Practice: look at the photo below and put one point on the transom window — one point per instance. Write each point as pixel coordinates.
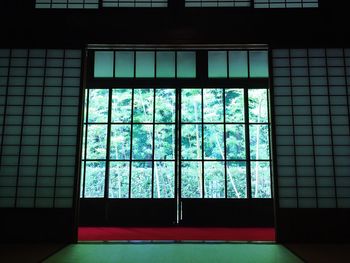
(178, 138)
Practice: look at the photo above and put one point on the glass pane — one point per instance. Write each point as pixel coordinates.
(235, 142)
(259, 142)
(234, 99)
(238, 64)
(236, 180)
(95, 179)
(165, 64)
(261, 180)
(143, 105)
(120, 142)
(165, 105)
(164, 180)
(186, 64)
(214, 142)
(214, 180)
(213, 105)
(98, 105)
(119, 179)
(121, 105)
(217, 64)
(191, 105)
(142, 142)
(96, 141)
(145, 64)
(103, 64)
(191, 142)
(258, 61)
(191, 179)
(164, 142)
(141, 180)
(124, 64)
(258, 111)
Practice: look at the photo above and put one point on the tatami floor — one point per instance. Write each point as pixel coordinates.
(168, 252)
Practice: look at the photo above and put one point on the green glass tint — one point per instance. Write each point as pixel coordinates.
(258, 64)
(164, 142)
(238, 64)
(104, 64)
(124, 64)
(142, 142)
(120, 142)
(97, 141)
(214, 142)
(235, 142)
(145, 64)
(234, 64)
(143, 105)
(186, 64)
(165, 105)
(166, 64)
(191, 105)
(217, 64)
(191, 141)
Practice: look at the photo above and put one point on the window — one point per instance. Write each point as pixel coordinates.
(285, 3)
(205, 140)
(72, 4)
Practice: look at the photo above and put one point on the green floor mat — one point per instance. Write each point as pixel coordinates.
(174, 253)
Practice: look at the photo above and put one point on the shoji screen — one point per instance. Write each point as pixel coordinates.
(217, 3)
(39, 105)
(285, 3)
(86, 4)
(311, 98)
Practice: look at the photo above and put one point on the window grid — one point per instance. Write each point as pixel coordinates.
(312, 127)
(39, 95)
(134, 3)
(217, 3)
(252, 162)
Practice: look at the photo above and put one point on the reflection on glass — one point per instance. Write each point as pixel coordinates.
(95, 179)
(261, 179)
(236, 180)
(164, 180)
(166, 64)
(214, 180)
(142, 142)
(164, 142)
(143, 105)
(234, 99)
(98, 105)
(191, 105)
(96, 141)
(214, 141)
(141, 180)
(258, 110)
(119, 180)
(121, 105)
(191, 141)
(235, 142)
(213, 105)
(165, 105)
(259, 142)
(120, 142)
(191, 179)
